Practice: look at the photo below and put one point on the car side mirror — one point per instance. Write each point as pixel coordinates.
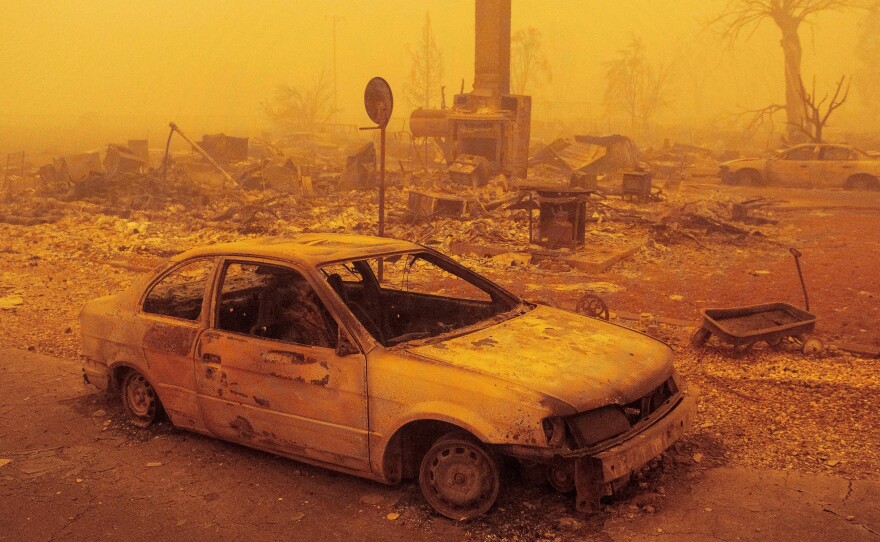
(345, 346)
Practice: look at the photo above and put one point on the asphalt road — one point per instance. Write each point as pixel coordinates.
(78, 472)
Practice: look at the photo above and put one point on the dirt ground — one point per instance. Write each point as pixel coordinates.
(771, 411)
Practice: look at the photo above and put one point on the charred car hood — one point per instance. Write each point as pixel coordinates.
(584, 362)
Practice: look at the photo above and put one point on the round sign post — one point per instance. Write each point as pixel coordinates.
(379, 102)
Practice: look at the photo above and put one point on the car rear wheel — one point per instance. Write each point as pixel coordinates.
(459, 477)
(863, 182)
(139, 399)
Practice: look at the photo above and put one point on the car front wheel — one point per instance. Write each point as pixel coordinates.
(139, 399)
(459, 477)
(749, 177)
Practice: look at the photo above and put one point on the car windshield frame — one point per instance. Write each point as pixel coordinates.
(508, 304)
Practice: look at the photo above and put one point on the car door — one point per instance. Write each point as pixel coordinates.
(798, 166)
(172, 313)
(838, 165)
(269, 372)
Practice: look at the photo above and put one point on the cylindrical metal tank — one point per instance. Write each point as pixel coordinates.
(429, 123)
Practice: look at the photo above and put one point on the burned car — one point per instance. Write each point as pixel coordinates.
(809, 165)
(387, 360)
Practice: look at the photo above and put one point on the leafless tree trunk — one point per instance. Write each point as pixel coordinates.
(792, 52)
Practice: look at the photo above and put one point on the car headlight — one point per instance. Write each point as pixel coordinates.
(554, 430)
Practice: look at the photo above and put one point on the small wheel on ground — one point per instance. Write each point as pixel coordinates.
(776, 343)
(139, 399)
(700, 336)
(813, 346)
(593, 306)
(739, 350)
(459, 477)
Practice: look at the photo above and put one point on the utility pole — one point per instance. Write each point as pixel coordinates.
(334, 19)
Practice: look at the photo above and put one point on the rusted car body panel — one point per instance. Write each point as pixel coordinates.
(359, 407)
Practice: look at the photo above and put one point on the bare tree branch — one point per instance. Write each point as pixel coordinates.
(302, 107)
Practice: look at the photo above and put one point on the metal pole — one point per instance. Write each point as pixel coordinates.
(203, 153)
(797, 255)
(165, 158)
(381, 193)
(382, 183)
(335, 99)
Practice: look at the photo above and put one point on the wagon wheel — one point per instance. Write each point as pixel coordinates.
(813, 346)
(776, 343)
(739, 350)
(700, 336)
(593, 306)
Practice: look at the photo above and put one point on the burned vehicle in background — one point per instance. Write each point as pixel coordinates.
(387, 360)
(809, 165)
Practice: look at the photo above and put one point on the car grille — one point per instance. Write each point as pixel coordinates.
(592, 427)
(650, 402)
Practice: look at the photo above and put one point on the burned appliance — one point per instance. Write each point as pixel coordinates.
(562, 218)
(636, 185)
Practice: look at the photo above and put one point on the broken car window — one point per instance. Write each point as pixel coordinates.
(180, 293)
(420, 296)
(273, 302)
(836, 153)
(801, 153)
(417, 275)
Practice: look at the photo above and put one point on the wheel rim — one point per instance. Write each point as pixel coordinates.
(140, 399)
(593, 306)
(561, 477)
(460, 479)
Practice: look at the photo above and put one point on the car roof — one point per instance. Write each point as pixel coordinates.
(309, 248)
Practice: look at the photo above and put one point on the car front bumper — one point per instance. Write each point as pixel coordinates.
(596, 474)
(598, 470)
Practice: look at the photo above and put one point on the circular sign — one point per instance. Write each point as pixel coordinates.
(378, 101)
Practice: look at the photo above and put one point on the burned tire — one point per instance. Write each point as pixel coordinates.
(139, 399)
(560, 476)
(459, 477)
(750, 177)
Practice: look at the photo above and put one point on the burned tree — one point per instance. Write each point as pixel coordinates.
(528, 62)
(426, 71)
(634, 85)
(744, 16)
(300, 108)
(814, 119)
